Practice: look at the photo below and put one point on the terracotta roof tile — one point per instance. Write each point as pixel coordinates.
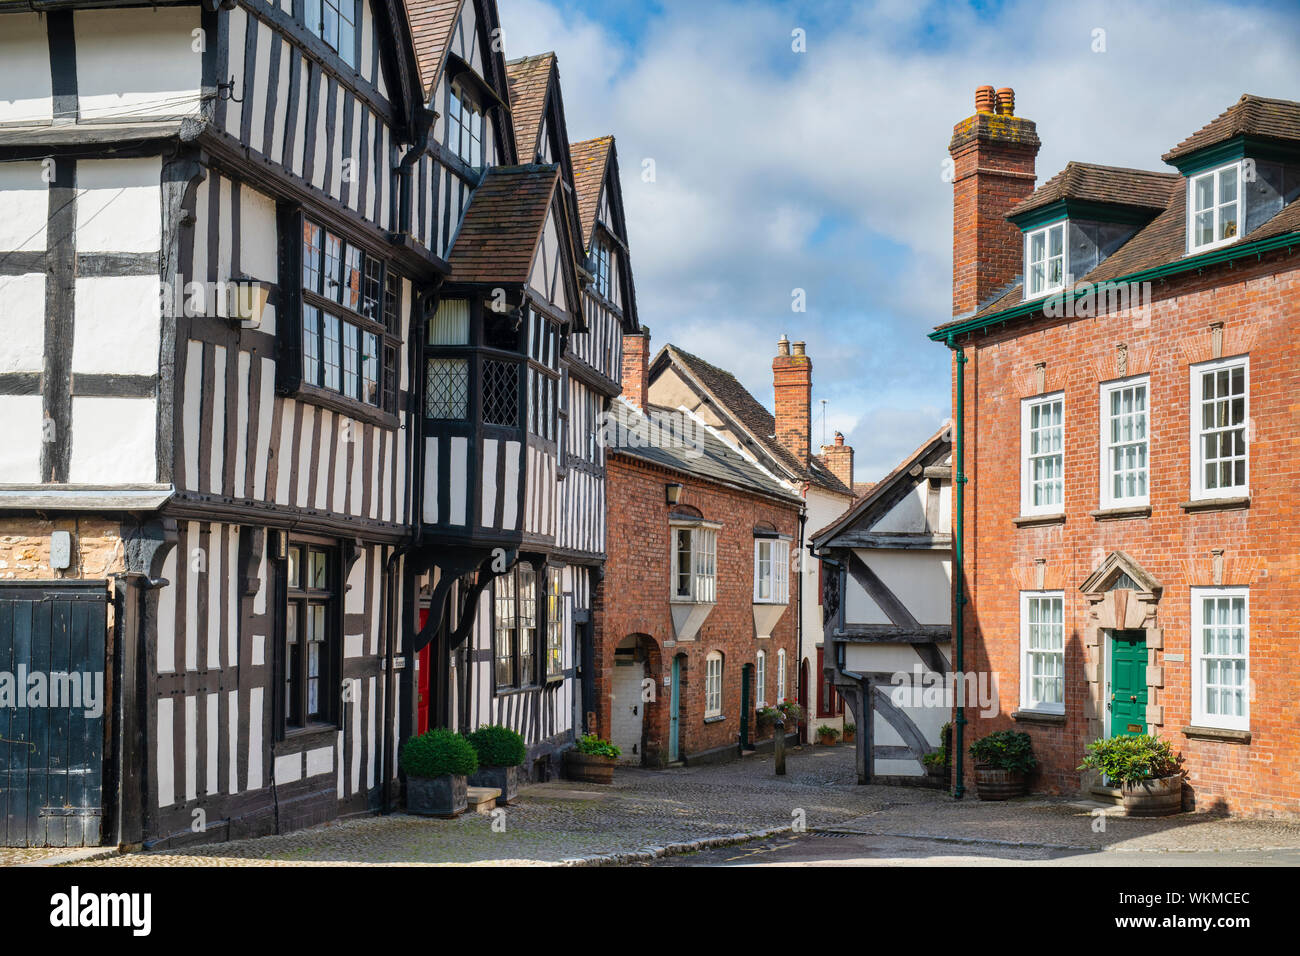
(431, 25)
(1113, 185)
(528, 77)
(498, 235)
(590, 158)
(1250, 116)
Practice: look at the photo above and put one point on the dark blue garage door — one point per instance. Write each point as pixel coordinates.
(53, 703)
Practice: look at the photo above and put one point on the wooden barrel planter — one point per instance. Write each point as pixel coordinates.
(994, 783)
(588, 768)
(1160, 797)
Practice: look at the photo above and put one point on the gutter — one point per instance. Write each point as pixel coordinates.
(958, 558)
(1257, 248)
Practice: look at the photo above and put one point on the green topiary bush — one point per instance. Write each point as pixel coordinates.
(498, 746)
(1005, 750)
(438, 752)
(1132, 758)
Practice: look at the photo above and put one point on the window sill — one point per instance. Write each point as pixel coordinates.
(1033, 521)
(349, 407)
(688, 601)
(716, 718)
(1219, 734)
(1038, 717)
(313, 735)
(1120, 513)
(1216, 504)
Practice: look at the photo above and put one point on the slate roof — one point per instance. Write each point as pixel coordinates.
(696, 451)
(590, 158)
(498, 235)
(1163, 240)
(431, 24)
(1112, 185)
(1256, 116)
(528, 78)
(754, 418)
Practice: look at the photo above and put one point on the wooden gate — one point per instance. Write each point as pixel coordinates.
(53, 704)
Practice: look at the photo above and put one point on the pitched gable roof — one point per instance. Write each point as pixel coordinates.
(937, 445)
(499, 233)
(528, 77)
(1255, 116)
(752, 416)
(431, 24)
(1110, 185)
(590, 158)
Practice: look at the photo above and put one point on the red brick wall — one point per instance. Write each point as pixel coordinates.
(1259, 305)
(634, 599)
(636, 357)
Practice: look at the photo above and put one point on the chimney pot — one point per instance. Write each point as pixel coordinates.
(984, 99)
(798, 348)
(839, 438)
(1006, 101)
(783, 346)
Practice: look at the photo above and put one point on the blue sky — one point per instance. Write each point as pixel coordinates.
(823, 170)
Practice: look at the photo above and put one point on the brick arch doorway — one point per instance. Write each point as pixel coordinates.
(634, 699)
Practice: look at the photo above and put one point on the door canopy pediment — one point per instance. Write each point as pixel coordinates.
(1121, 571)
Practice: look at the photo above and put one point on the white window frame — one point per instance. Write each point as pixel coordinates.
(1046, 232)
(780, 674)
(1108, 498)
(1027, 698)
(1217, 207)
(1027, 506)
(704, 563)
(771, 576)
(760, 678)
(1200, 717)
(1199, 491)
(467, 126)
(713, 684)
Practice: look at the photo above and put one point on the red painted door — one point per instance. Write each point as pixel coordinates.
(422, 706)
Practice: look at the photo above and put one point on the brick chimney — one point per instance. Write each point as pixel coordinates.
(993, 155)
(839, 460)
(636, 363)
(792, 380)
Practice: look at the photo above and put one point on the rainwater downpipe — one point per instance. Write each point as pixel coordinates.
(958, 565)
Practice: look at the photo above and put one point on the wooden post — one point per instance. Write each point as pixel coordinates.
(867, 741)
(778, 746)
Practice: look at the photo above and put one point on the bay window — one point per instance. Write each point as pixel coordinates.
(771, 574)
(1221, 658)
(1124, 443)
(1042, 651)
(694, 557)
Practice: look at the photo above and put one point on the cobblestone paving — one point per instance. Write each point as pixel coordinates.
(563, 820)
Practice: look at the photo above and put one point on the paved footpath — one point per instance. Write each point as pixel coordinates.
(692, 808)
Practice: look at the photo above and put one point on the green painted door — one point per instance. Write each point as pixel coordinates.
(1128, 682)
(674, 712)
(746, 680)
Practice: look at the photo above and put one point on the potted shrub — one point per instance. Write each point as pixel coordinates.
(500, 752)
(826, 735)
(1147, 770)
(591, 760)
(936, 763)
(437, 764)
(850, 733)
(766, 717)
(1002, 763)
(791, 713)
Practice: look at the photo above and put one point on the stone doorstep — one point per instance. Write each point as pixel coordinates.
(482, 799)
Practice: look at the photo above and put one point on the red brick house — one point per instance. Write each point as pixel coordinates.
(694, 621)
(1125, 372)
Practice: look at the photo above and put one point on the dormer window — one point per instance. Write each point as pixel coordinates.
(1045, 260)
(335, 22)
(465, 127)
(601, 255)
(1214, 208)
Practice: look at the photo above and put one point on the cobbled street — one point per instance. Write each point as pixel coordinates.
(692, 808)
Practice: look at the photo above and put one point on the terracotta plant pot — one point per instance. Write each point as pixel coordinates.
(505, 779)
(826, 740)
(588, 768)
(443, 796)
(994, 783)
(1158, 797)
(849, 738)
